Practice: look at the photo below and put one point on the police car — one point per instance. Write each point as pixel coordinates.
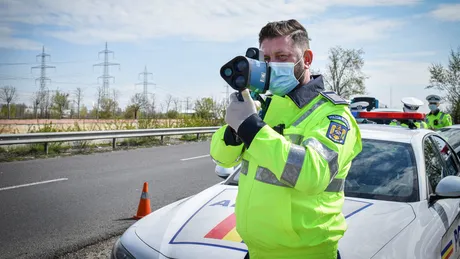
(402, 201)
(373, 103)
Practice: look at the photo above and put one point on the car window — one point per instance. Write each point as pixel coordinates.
(448, 155)
(384, 170)
(433, 164)
(452, 136)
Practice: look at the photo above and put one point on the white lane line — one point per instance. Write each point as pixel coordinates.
(190, 158)
(31, 184)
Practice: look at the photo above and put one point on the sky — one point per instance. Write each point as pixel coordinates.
(183, 43)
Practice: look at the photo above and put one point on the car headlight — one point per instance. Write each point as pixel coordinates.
(120, 252)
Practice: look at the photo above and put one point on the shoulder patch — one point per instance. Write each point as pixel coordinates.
(334, 97)
(339, 118)
(337, 132)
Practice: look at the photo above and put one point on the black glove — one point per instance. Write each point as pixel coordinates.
(411, 124)
(231, 138)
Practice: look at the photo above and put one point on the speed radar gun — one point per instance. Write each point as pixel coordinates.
(248, 72)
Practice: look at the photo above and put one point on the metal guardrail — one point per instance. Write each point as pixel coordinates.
(45, 138)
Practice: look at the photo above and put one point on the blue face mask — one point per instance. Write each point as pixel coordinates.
(282, 78)
(433, 107)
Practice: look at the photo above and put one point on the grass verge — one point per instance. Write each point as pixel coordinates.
(60, 149)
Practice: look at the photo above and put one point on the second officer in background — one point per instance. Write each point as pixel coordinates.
(436, 119)
(410, 104)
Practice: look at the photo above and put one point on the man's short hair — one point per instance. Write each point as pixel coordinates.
(292, 28)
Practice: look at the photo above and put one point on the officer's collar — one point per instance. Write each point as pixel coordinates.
(435, 112)
(303, 95)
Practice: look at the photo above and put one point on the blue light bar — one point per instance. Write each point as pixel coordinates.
(355, 114)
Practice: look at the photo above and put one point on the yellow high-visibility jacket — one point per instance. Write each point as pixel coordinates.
(290, 194)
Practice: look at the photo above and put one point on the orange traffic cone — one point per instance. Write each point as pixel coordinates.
(144, 203)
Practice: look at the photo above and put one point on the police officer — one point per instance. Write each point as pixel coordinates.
(294, 159)
(411, 104)
(358, 107)
(436, 119)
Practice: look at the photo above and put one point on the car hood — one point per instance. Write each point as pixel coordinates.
(203, 226)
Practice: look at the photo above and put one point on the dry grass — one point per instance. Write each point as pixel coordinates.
(32, 126)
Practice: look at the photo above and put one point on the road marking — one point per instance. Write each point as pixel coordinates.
(31, 184)
(190, 158)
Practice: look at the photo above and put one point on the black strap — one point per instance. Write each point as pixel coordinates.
(279, 128)
(264, 107)
(231, 138)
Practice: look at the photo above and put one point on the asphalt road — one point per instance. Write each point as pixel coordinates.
(52, 206)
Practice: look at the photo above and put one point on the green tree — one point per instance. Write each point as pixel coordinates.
(220, 109)
(172, 114)
(60, 102)
(8, 94)
(78, 98)
(454, 111)
(343, 73)
(129, 112)
(204, 108)
(138, 101)
(83, 112)
(108, 105)
(8, 110)
(447, 80)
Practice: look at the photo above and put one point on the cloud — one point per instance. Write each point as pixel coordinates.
(354, 32)
(447, 12)
(398, 73)
(90, 21)
(350, 30)
(401, 78)
(408, 54)
(8, 41)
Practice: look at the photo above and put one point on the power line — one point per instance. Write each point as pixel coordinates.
(227, 94)
(17, 64)
(187, 103)
(146, 83)
(15, 78)
(32, 63)
(106, 64)
(9, 77)
(391, 97)
(43, 78)
(188, 100)
(74, 83)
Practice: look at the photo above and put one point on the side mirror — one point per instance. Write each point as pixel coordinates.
(448, 187)
(224, 173)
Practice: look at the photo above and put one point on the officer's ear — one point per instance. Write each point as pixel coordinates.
(307, 58)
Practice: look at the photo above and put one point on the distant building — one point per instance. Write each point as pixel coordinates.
(189, 112)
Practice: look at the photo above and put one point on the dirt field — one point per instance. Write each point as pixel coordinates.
(26, 126)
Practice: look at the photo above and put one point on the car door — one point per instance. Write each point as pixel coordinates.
(444, 162)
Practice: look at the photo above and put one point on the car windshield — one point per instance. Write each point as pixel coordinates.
(452, 135)
(384, 170)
